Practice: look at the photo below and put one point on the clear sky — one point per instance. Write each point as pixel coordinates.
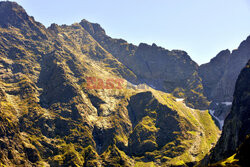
(200, 27)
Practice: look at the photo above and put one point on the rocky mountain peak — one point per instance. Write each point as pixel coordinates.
(11, 14)
(54, 27)
(158, 52)
(144, 46)
(224, 69)
(245, 44)
(222, 56)
(92, 28)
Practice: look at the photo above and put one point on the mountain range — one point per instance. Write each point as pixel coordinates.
(70, 95)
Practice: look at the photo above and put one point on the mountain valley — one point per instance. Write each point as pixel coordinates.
(70, 95)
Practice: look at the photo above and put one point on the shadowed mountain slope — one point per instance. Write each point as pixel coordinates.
(234, 140)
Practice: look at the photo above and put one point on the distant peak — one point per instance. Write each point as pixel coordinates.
(224, 52)
(245, 43)
(92, 28)
(222, 56)
(144, 45)
(54, 27)
(154, 45)
(85, 21)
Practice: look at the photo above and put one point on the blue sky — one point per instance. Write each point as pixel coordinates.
(200, 27)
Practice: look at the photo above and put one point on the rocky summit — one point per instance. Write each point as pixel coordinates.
(219, 77)
(70, 95)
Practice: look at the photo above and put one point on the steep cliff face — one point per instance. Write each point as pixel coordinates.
(224, 69)
(169, 71)
(219, 77)
(65, 100)
(237, 125)
(212, 72)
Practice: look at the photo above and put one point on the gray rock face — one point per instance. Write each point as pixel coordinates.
(152, 64)
(220, 74)
(13, 15)
(212, 72)
(237, 124)
(160, 68)
(219, 77)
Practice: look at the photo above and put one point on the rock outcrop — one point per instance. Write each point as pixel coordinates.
(224, 69)
(236, 130)
(219, 78)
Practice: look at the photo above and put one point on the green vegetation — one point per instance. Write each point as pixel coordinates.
(115, 157)
(144, 164)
